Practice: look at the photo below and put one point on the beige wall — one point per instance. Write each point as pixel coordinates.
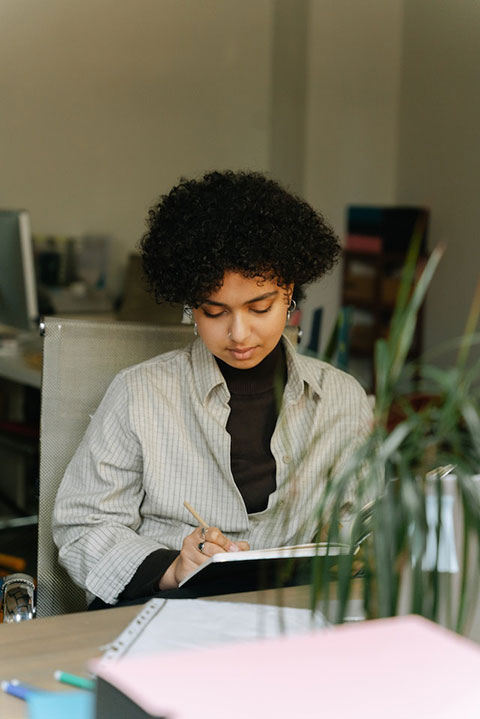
(353, 80)
(291, 19)
(105, 103)
(439, 147)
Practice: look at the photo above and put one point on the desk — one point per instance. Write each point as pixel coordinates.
(20, 380)
(17, 369)
(20, 385)
(31, 651)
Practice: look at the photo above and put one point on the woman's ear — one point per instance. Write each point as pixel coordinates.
(290, 288)
(292, 305)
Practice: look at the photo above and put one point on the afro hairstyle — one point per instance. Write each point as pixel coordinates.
(232, 221)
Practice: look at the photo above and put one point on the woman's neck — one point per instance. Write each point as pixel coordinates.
(257, 379)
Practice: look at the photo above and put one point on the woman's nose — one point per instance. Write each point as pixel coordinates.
(239, 329)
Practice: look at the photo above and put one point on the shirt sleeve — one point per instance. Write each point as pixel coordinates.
(97, 510)
(145, 580)
(358, 491)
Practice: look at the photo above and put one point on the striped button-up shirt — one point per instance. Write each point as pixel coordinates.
(159, 437)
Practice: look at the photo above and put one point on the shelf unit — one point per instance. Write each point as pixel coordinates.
(376, 248)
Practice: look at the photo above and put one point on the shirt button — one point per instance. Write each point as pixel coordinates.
(286, 458)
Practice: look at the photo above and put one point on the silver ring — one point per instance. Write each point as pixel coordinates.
(203, 532)
(200, 546)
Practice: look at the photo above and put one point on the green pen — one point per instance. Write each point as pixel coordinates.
(74, 681)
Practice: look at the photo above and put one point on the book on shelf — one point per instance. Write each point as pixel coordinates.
(364, 243)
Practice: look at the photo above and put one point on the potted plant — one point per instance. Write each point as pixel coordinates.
(415, 474)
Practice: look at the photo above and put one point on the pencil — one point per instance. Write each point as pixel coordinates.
(74, 681)
(199, 519)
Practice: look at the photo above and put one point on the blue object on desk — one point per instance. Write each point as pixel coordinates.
(17, 689)
(59, 705)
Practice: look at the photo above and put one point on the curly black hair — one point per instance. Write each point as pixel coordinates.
(232, 221)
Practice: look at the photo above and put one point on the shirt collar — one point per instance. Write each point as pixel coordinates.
(208, 376)
(300, 372)
(205, 370)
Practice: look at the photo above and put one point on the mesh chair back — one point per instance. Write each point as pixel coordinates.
(80, 359)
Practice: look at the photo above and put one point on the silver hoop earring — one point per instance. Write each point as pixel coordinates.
(291, 308)
(195, 329)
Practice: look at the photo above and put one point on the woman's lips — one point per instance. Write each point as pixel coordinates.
(242, 353)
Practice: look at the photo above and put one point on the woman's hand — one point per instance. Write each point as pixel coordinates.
(211, 541)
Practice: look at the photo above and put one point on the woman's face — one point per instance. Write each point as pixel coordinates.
(243, 321)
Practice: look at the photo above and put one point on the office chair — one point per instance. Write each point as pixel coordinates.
(80, 358)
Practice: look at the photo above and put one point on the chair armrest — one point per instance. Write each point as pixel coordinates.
(18, 598)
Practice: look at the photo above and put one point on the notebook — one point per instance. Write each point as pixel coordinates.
(229, 572)
(395, 668)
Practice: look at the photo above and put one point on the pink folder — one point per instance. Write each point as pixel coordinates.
(399, 668)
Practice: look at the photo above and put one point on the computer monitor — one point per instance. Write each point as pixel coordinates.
(18, 287)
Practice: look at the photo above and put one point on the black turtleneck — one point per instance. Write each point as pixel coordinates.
(255, 396)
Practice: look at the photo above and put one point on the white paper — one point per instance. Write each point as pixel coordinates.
(164, 625)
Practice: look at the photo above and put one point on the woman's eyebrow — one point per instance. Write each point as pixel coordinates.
(265, 296)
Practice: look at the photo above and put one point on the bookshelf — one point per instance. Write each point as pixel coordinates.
(376, 246)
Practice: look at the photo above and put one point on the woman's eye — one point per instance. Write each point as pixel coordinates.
(261, 312)
(212, 314)
(222, 312)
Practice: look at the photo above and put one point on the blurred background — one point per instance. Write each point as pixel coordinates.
(105, 104)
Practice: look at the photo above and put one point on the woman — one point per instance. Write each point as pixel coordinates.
(238, 424)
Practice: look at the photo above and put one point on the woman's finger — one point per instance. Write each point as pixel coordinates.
(209, 549)
(214, 536)
(243, 546)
